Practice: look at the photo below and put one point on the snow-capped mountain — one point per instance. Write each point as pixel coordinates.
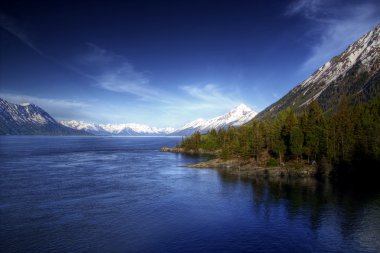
(27, 119)
(236, 117)
(133, 129)
(129, 129)
(354, 73)
(85, 126)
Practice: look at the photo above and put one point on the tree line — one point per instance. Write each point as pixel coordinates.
(347, 135)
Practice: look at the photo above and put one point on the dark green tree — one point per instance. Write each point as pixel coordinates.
(296, 141)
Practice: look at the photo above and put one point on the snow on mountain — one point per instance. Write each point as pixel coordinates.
(29, 119)
(132, 128)
(354, 73)
(198, 123)
(365, 51)
(339, 65)
(236, 117)
(81, 125)
(25, 113)
(117, 129)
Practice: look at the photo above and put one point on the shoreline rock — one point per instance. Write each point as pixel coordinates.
(188, 151)
(239, 168)
(249, 168)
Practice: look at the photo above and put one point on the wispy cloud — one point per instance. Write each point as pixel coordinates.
(95, 55)
(115, 73)
(12, 26)
(110, 71)
(125, 78)
(337, 24)
(15, 28)
(211, 95)
(310, 9)
(104, 68)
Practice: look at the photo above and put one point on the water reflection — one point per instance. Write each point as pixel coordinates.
(352, 209)
(101, 194)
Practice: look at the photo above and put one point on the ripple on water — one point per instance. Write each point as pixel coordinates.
(123, 195)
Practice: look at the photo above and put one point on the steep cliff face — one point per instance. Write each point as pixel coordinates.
(29, 119)
(355, 73)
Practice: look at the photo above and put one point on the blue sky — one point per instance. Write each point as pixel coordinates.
(164, 63)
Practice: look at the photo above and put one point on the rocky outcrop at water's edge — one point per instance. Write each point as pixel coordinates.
(188, 151)
(250, 168)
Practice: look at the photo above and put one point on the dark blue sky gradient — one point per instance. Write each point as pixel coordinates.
(167, 62)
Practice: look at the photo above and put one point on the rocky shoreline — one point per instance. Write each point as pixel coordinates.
(188, 151)
(248, 168)
(241, 168)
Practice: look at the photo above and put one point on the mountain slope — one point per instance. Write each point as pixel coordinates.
(29, 119)
(236, 117)
(355, 73)
(130, 129)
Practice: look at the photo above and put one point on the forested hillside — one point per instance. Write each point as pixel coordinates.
(346, 137)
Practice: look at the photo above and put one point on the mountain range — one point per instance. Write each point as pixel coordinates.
(354, 74)
(129, 129)
(236, 117)
(28, 119)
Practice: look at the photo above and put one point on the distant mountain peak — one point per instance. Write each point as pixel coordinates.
(238, 116)
(242, 107)
(127, 129)
(240, 110)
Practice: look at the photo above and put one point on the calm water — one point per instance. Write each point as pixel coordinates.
(104, 194)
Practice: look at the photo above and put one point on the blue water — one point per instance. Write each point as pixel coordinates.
(104, 194)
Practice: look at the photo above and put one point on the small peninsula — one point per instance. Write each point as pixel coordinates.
(249, 168)
(311, 143)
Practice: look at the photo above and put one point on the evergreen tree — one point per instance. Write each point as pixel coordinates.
(296, 141)
(257, 139)
(344, 130)
(348, 135)
(278, 144)
(313, 125)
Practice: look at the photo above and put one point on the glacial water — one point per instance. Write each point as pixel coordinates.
(114, 194)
